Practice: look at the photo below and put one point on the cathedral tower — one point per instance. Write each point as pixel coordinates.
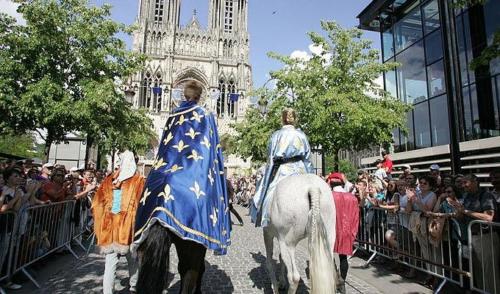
(216, 56)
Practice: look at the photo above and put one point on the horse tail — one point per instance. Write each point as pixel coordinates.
(154, 255)
(321, 264)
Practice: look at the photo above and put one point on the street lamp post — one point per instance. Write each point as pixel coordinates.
(263, 105)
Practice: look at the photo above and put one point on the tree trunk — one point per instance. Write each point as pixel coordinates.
(113, 160)
(99, 158)
(335, 154)
(46, 150)
(88, 147)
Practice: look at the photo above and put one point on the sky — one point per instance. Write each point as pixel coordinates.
(275, 25)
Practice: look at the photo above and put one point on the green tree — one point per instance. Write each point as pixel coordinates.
(254, 131)
(19, 145)
(51, 65)
(338, 104)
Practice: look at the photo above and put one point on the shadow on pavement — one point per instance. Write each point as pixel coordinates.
(220, 282)
(260, 276)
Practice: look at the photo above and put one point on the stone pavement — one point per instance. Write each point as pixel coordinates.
(242, 270)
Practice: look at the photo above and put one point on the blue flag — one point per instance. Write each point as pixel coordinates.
(233, 97)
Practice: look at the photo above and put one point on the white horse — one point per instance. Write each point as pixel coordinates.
(303, 206)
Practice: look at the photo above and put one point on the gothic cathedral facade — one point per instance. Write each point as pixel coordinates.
(216, 56)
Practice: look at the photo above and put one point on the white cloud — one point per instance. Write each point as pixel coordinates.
(10, 8)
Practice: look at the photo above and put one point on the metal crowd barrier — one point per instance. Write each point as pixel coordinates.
(42, 230)
(484, 261)
(8, 225)
(82, 221)
(413, 245)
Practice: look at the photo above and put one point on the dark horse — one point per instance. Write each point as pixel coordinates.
(154, 256)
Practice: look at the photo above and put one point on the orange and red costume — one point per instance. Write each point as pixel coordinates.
(115, 232)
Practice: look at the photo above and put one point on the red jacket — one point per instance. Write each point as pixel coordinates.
(347, 222)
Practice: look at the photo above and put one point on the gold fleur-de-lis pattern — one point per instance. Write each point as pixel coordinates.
(196, 116)
(180, 146)
(192, 134)
(174, 168)
(206, 142)
(211, 177)
(214, 217)
(195, 156)
(159, 163)
(168, 138)
(145, 196)
(197, 190)
(166, 194)
(181, 120)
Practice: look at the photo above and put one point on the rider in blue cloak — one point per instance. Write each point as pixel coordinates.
(186, 188)
(288, 154)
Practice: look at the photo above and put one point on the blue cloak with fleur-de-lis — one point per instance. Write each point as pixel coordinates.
(186, 189)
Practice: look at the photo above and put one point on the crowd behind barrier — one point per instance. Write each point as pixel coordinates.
(42, 211)
(444, 226)
(441, 225)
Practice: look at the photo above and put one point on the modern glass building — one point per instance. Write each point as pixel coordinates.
(455, 120)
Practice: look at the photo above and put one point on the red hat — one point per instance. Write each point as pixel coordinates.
(335, 177)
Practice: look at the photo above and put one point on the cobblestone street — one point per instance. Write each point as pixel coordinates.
(242, 270)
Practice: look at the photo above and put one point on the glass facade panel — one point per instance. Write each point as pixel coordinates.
(408, 30)
(491, 18)
(462, 55)
(433, 47)
(476, 128)
(416, 42)
(422, 125)
(395, 139)
(492, 25)
(467, 114)
(412, 83)
(390, 83)
(408, 140)
(435, 74)
(439, 120)
(431, 17)
(388, 44)
(495, 84)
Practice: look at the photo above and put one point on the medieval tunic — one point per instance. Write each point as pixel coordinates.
(347, 214)
(186, 189)
(289, 154)
(114, 229)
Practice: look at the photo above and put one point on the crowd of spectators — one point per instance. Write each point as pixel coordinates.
(24, 185)
(244, 188)
(420, 204)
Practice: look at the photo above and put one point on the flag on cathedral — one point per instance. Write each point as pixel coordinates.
(157, 90)
(186, 188)
(233, 97)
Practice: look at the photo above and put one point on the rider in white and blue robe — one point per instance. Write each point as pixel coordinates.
(186, 188)
(289, 154)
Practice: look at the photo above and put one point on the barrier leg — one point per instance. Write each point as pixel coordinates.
(27, 274)
(71, 251)
(370, 259)
(353, 253)
(2, 291)
(91, 243)
(441, 285)
(79, 243)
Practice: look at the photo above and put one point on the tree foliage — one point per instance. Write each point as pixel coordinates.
(19, 145)
(338, 104)
(60, 71)
(254, 132)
